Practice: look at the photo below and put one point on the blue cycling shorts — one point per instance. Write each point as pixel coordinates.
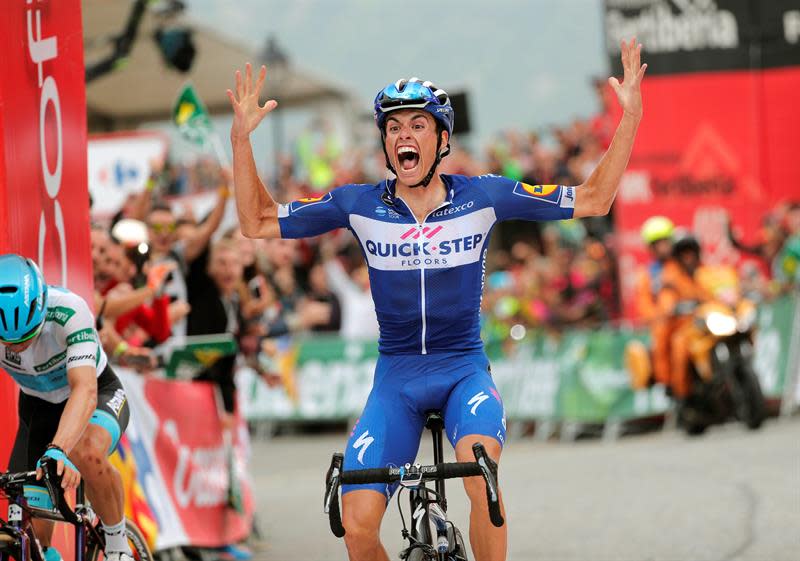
(406, 387)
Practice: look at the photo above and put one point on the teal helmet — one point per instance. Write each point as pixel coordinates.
(23, 299)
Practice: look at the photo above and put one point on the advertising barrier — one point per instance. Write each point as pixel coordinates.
(119, 165)
(577, 376)
(175, 450)
(44, 207)
(718, 140)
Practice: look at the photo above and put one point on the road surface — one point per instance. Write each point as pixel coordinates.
(728, 495)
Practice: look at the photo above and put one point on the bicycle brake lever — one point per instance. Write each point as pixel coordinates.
(489, 471)
(331, 501)
(51, 481)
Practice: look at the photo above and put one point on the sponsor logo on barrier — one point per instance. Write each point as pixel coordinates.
(41, 50)
(200, 476)
(668, 27)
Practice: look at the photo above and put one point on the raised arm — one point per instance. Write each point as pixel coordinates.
(258, 211)
(199, 241)
(595, 196)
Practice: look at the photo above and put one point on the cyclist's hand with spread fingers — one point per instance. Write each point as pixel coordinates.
(70, 476)
(629, 92)
(247, 113)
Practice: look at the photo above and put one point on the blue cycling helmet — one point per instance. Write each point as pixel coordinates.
(415, 94)
(23, 299)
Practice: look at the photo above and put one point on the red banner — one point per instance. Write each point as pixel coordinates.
(196, 485)
(712, 147)
(44, 211)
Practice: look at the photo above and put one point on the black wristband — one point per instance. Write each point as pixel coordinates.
(52, 446)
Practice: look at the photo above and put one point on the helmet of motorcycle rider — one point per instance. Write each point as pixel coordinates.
(657, 228)
(685, 242)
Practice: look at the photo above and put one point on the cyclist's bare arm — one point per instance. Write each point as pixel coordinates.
(258, 211)
(595, 196)
(80, 405)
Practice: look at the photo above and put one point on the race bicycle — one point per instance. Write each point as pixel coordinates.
(18, 539)
(428, 506)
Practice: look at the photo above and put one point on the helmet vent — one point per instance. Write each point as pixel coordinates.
(8, 289)
(3, 319)
(31, 310)
(16, 318)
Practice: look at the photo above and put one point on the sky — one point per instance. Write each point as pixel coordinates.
(524, 63)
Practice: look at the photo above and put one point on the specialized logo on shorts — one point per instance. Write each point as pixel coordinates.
(477, 399)
(361, 444)
(116, 403)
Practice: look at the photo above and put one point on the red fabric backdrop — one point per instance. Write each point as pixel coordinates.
(44, 210)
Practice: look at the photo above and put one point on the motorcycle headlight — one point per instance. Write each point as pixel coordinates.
(720, 324)
(746, 320)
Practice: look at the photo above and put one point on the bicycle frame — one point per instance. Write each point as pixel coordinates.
(19, 526)
(427, 505)
(431, 510)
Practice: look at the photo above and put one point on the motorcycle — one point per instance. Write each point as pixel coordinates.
(724, 383)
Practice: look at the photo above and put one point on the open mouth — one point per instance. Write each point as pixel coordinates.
(407, 157)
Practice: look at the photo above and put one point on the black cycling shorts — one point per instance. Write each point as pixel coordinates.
(38, 420)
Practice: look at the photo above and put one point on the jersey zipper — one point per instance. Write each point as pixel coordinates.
(423, 308)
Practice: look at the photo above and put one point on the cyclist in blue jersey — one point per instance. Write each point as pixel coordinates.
(72, 407)
(424, 236)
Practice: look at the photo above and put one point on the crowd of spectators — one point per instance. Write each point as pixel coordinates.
(173, 277)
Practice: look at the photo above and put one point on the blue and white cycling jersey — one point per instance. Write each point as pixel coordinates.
(427, 278)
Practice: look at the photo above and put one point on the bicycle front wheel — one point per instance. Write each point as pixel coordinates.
(136, 541)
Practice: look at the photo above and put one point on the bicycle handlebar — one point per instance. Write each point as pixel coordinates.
(52, 482)
(482, 466)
